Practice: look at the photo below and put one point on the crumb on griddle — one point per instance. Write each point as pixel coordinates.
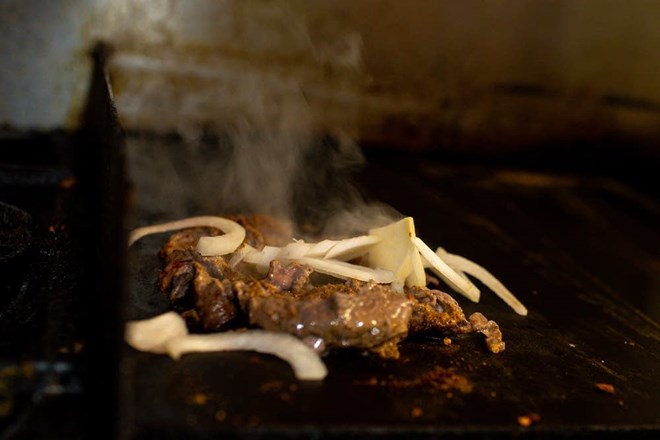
(199, 399)
(439, 378)
(605, 387)
(527, 420)
(68, 183)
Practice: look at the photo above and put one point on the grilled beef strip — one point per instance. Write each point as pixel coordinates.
(353, 314)
(437, 312)
(179, 271)
(292, 277)
(199, 288)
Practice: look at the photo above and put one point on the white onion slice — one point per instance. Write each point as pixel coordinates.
(294, 250)
(470, 267)
(350, 248)
(152, 334)
(396, 252)
(306, 363)
(239, 255)
(340, 269)
(167, 333)
(442, 269)
(222, 244)
(344, 270)
(318, 250)
(262, 258)
(207, 246)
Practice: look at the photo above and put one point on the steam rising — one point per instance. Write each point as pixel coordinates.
(269, 161)
(283, 171)
(270, 140)
(266, 153)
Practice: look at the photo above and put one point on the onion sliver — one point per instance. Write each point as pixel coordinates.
(262, 258)
(306, 363)
(342, 269)
(220, 245)
(442, 269)
(167, 333)
(239, 255)
(294, 250)
(152, 334)
(489, 280)
(318, 250)
(350, 248)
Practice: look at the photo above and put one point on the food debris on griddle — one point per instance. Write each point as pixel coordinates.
(607, 388)
(436, 379)
(528, 420)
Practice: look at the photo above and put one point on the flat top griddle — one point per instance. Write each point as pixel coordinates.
(581, 252)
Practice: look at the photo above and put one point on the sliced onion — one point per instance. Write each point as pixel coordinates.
(207, 246)
(318, 250)
(417, 275)
(294, 250)
(489, 280)
(306, 363)
(394, 251)
(222, 244)
(350, 248)
(442, 269)
(152, 334)
(167, 333)
(239, 255)
(262, 258)
(344, 270)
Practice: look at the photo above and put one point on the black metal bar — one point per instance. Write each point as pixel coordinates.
(101, 170)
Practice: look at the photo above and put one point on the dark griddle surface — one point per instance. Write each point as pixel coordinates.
(582, 254)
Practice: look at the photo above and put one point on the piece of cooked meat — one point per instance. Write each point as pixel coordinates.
(201, 287)
(490, 330)
(199, 284)
(437, 312)
(354, 314)
(291, 277)
(176, 277)
(178, 269)
(215, 299)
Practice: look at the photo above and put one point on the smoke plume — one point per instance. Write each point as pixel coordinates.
(266, 154)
